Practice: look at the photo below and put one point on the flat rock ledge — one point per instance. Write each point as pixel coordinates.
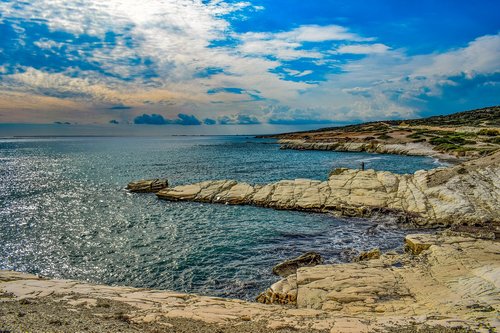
(410, 149)
(454, 282)
(467, 194)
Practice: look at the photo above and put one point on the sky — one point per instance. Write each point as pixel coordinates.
(244, 66)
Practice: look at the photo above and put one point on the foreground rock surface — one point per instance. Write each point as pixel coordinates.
(465, 194)
(451, 276)
(455, 282)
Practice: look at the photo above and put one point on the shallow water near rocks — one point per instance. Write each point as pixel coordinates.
(64, 212)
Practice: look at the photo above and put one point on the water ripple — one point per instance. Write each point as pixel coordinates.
(64, 213)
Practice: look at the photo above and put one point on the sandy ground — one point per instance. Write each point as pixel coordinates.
(50, 315)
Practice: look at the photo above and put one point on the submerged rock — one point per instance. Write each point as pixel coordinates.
(290, 266)
(148, 185)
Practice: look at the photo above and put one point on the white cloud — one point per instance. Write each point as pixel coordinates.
(280, 49)
(394, 84)
(479, 56)
(298, 73)
(48, 44)
(317, 33)
(287, 45)
(174, 36)
(363, 49)
(59, 84)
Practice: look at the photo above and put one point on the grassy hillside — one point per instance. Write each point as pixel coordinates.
(469, 133)
(485, 117)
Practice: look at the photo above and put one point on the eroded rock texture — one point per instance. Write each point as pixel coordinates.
(412, 149)
(449, 273)
(465, 194)
(454, 281)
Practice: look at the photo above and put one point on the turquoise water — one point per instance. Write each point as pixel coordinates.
(64, 212)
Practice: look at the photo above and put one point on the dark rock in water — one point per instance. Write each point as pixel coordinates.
(368, 255)
(148, 185)
(289, 267)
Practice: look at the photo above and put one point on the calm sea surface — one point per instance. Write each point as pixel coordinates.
(64, 212)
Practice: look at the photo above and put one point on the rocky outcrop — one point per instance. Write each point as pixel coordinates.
(410, 148)
(368, 255)
(454, 282)
(450, 274)
(149, 185)
(290, 266)
(465, 194)
(416, 244)
(282, 292)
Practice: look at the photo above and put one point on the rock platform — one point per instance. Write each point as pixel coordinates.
(467, 194)
(454, 281)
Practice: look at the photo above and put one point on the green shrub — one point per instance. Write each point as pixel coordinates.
(456, 139)
(489, 132)
(447, 147)
(384, 136)
(495, 140)
(414, 136)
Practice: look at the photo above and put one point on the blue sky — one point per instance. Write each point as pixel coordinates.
(209, 64)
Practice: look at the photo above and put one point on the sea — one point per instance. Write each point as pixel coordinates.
(65, 212)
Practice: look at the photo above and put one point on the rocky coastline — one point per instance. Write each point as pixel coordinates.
(466, 194)
(448, 282)
(408, 149)
(444, 282)
(456, 137)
